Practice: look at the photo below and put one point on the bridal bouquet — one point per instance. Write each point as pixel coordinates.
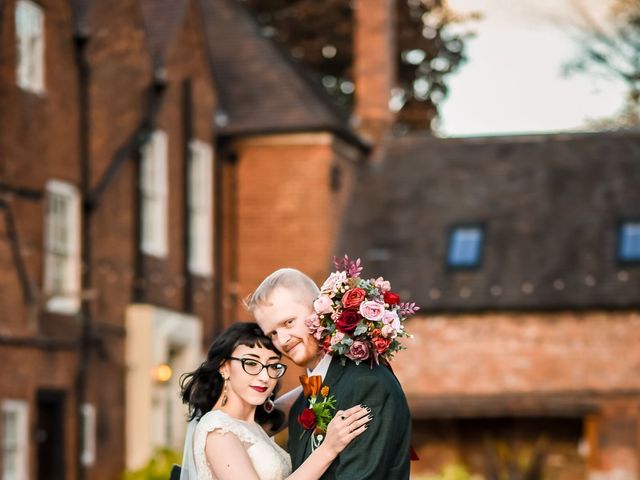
(356, 318)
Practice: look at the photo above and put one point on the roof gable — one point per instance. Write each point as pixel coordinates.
(260, 87)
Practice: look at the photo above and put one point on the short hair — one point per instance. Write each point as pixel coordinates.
(293, 280)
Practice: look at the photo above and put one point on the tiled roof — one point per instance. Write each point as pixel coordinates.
(550, 206)
(261, 89)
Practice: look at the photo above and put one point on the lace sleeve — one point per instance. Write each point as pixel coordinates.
(217, 420)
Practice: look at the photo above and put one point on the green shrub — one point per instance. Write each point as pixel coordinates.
(157, 468)
(450, 472)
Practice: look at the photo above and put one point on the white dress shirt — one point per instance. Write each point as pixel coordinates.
(322, 367)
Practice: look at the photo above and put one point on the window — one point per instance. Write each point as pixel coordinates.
(88, 435)
(465, 247)
(62, 248)
(30, 46)
(200, 208)
(14, 440)
(154, 187)
(629, 241)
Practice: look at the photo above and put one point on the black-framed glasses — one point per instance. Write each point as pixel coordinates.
(254, 367)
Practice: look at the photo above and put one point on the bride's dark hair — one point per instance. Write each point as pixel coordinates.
(201, 388)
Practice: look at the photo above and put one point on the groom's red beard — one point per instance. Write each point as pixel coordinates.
(304, 354)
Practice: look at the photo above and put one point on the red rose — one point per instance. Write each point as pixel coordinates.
(353, 298)
(347, 321)
(381, 344)
(391, 298)
(307, 419)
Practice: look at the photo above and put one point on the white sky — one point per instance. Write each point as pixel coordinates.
(513, 82)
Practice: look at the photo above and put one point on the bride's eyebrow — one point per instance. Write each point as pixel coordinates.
(251, 355)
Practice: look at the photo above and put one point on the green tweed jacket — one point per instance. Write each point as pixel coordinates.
(382, 451)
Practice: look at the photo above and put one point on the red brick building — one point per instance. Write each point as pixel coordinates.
(107, 135)
(159, 158)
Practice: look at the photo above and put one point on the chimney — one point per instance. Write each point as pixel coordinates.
(374, 67)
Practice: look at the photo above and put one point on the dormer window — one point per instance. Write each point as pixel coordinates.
(629, 242)
(465, 247)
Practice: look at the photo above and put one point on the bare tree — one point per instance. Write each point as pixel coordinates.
(611, 49)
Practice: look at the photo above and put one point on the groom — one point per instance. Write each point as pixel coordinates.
(280, 305)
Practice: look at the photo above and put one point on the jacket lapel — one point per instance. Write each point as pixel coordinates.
(298, 437)
(333, 374)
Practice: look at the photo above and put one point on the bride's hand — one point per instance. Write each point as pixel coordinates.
(345, 426)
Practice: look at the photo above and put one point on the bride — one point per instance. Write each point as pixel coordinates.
(230, 398)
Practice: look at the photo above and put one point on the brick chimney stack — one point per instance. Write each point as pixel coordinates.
(374, 67)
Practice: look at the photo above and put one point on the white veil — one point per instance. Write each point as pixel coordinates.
(188, 470)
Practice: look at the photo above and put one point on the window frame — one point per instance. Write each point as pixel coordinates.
(30, 46)
(68, 300)
(477, 265)
(88, 455)
(154, 195)
(621, 261)
(21, 409)
(200, 207)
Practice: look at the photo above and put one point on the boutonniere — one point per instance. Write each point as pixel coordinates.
(320, 408)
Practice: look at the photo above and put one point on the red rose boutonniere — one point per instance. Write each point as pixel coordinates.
(318, 414)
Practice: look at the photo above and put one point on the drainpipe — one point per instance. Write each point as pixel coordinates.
(86, 333)
(226, 158)
(187, 135)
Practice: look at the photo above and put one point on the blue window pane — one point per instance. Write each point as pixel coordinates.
(630, 241)
(465, 247)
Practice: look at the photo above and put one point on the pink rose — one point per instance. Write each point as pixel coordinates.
(337, 338)
(335, 280)
(391, 318)
(389, 332)
(358, 351)
(313, 323)
(323, 305)
(382, 284)
(371, 310)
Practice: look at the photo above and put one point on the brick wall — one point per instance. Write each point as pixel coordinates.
(563, 366)
(288, 215)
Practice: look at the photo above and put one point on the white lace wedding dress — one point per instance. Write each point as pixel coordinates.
(269, 460)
